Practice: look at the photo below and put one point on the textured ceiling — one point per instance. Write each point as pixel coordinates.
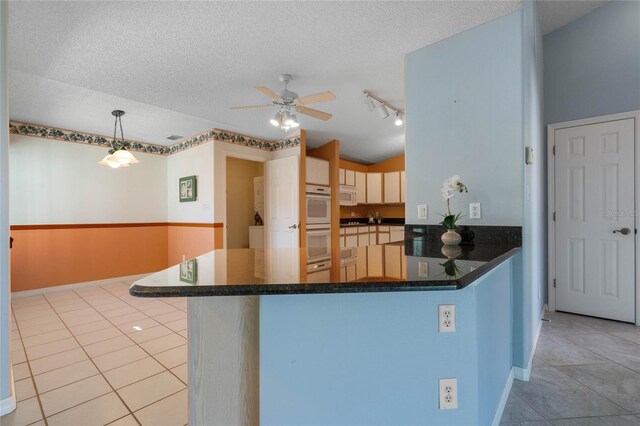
(554, 14)
(176, 67)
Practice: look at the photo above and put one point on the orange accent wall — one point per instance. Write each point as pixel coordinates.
(191, 242)
(51, 255)
(392, 164)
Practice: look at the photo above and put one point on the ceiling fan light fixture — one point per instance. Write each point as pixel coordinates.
(295, 123)
(382, 111)
(398, 121)
(277, 119)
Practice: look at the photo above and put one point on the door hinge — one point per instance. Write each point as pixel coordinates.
(554, 283)
(554, 150)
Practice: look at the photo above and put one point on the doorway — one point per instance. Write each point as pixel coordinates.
(243, 201)
(592, 229)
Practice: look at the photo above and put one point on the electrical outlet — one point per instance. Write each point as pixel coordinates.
(446, 318)
(474, 211)
(448, 394)
(423, 212)
(423, 269)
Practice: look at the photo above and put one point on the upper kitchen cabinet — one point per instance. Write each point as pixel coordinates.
(347, 177)
(317, 171)
(391, 187)
(361, 187)
(403, 186)
(374, 188)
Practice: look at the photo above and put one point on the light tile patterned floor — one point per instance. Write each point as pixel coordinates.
(586, 372)
(97, 356)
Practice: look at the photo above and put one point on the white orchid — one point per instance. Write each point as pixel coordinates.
(451, 187)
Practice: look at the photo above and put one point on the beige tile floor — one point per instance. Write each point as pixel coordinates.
(96, 356)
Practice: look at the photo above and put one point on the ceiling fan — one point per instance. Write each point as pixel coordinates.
(288, 102)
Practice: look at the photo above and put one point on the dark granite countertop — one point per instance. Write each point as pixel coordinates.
(425, 264)
(359, 221)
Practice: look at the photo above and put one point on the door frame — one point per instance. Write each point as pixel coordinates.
(551, 259)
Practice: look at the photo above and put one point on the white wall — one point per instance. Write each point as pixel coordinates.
(48, 176)
(464, 116)
(7, 401)
(194, 161)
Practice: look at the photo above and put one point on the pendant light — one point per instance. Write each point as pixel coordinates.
(118, 155)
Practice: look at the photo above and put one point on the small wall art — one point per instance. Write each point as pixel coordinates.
(188, 189)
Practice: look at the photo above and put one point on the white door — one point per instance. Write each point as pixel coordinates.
(595, 225)
(282, 203)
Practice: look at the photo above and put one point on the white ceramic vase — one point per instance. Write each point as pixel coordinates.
(451, 238)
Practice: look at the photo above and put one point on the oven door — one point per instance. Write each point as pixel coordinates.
(318, 209)
(318, 245)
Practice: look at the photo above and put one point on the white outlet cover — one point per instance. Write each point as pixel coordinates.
(447, 318)
(475, 211)
(423, 211)
(448, 394)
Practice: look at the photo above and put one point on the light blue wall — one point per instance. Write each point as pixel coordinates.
(347, 359)
(592, 65)
(534, 242)
(464, 116)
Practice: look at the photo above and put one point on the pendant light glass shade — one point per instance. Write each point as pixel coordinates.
(277, 119)
(111, 161)
(124, 157)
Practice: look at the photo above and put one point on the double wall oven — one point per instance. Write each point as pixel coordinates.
(318, 226)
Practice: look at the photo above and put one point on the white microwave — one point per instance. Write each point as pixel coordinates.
(348, 195)
(318, 205)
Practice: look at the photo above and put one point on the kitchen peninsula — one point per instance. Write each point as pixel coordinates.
(266, 347)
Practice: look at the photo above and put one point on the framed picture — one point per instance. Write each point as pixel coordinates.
(188, 189)
(189, 271)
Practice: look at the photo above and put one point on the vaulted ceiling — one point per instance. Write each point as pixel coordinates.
(177, 67)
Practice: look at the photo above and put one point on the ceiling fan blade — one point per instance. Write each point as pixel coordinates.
(251, 106)
(314, 113)
(318, 97)
(270, 93)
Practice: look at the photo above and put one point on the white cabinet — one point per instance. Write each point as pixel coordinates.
(256, 237)
(361, 262)
(361, 188)
(403, 186)
(383, 237)
(351, 241)
(350, 178)
(363, 240)
(392, 187)
(374, 188)
(317, 171)
(375, 259)
(392, 261)
(397, 233)
(342, 175)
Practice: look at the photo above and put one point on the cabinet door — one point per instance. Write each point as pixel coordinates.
(342, 178)
(397, 233)
(363, 240)
(351, 272)
(361, 188)
(351, 241)
(361, 263)
(403, 186)
(392, 259)
(383, 237)
(374, 188)
(392, 187)
(374, 264)
(350, 178)
(317, 171)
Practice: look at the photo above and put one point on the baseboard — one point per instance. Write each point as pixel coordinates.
(7, 405)
(525, 373)
(503, 399)
(67, 287)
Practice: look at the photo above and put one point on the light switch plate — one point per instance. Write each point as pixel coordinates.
(423, 269)
(423, 212)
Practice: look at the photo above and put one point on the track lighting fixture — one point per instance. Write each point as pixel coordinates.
(382, 108)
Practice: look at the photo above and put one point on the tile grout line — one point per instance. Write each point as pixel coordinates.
(165, 368)
(96, 367)
(31, 375)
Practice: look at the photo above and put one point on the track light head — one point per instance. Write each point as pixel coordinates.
(382, 111)
(398, 121)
